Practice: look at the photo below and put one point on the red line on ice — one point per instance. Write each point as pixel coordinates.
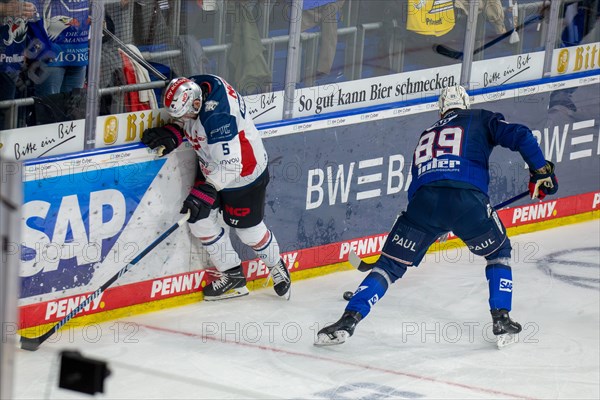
(333, 360)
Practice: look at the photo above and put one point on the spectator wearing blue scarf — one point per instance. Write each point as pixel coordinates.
(64, 24)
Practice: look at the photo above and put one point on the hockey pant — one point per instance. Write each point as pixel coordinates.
(432, 212)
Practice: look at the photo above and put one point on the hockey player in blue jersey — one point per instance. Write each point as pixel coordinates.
(448, 192)
(231, 182)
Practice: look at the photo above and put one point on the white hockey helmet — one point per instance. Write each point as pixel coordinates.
(453, 97)
(183, 98)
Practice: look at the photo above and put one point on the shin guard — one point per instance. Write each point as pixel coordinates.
(499, 277)
(369, 292)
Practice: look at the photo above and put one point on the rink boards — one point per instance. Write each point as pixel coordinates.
(337, 184)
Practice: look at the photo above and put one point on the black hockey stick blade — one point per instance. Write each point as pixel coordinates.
(363, 266)
(358, 263)
(32, 344)
(447, 51)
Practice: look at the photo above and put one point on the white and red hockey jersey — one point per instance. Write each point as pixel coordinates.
(229, 147)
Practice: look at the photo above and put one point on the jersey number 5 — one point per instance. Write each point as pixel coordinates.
(433, 144)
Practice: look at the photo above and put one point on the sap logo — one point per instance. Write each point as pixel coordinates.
(534, 212)
(505, 285)
(403, 242)
(237, 211)
(334, 183)
(73, 235)
(373, 300)
(62, 308)
(482, 246)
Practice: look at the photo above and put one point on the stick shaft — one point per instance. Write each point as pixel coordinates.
(34, 343)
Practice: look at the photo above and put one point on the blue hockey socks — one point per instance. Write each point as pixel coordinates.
(369, 292)
(499, 277)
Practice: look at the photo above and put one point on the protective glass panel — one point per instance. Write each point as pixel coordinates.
(510, 40)
(44, 54)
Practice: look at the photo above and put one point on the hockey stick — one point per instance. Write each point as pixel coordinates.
(458, 55)
(133, 55)
(363, 266)
(32, 344)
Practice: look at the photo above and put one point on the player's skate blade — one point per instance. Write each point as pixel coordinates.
(330, 339)
(506, 339)
(230, 283)
(338, 332)
(237, 292)
(505, 329)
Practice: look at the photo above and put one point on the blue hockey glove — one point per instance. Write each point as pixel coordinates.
(169, 137)
(543, 182)
(199, 202)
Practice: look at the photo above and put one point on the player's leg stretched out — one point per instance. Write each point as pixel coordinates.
(405, 246)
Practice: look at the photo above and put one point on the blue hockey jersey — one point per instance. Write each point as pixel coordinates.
(458, 147)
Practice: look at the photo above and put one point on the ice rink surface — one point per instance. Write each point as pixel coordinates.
(429, 337)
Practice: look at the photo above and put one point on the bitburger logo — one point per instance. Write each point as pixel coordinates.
(111, 130)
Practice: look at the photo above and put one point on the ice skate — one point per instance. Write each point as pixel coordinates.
(505, 329)
(229, 284)
(340, 331)
(281, 280)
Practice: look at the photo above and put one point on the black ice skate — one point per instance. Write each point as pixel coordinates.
(281, 280)
(230, 284)
(504, 328)
(338, 333)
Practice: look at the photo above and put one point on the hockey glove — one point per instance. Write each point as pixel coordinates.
(543, 182)
(199, 202)
(169, 136)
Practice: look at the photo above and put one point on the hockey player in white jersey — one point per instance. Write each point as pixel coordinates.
(231, 180)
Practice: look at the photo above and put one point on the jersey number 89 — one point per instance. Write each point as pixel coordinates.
(433, 144)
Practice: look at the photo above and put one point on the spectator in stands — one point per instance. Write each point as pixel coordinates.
(14, 16)
(492, 10)
(420, 26)
(580, 18)
(65, 25)
(111, 71)
(248, 68)
(323, 13)
(121, 13)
